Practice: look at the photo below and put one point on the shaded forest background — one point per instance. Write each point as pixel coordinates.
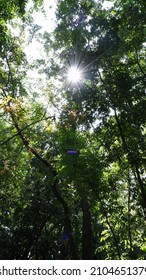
(92, 204)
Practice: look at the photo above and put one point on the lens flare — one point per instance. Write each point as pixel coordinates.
(74, 75)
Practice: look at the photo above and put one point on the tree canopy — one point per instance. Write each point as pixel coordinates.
(73, 151)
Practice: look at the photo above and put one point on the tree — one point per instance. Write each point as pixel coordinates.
(73, 178)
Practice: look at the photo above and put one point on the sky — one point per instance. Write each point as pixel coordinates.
(34, 49)
(47, 23)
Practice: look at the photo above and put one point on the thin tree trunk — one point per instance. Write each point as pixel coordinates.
(134, 163)
(86, 231)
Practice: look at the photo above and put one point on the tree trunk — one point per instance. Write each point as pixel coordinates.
(86, 231)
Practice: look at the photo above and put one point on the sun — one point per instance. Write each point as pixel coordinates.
(74, 74)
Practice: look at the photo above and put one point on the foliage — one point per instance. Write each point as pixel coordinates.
(73, 177)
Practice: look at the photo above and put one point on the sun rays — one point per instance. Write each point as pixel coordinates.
(74, 75)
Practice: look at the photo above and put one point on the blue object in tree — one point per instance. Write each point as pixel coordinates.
(72, 152)
(65, 236)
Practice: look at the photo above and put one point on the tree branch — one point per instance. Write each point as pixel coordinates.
(111, 228)
(21, 130)
(140, 67)
(67, 221)
(133, 162)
